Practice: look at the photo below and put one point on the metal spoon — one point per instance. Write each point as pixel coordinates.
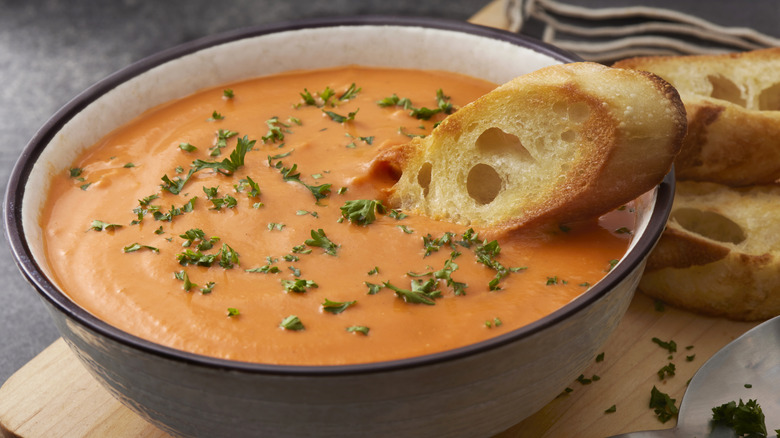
(747, 368)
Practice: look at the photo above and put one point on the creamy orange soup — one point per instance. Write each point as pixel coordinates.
(220, 224)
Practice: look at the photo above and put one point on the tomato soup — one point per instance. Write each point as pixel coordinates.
(242, 222)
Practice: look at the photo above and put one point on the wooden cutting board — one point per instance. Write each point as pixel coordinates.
(53, 395)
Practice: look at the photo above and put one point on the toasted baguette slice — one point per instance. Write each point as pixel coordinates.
(733, 106)
(560, 144)
(720, 252)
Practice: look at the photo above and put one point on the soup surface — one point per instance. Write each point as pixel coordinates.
(241, 222)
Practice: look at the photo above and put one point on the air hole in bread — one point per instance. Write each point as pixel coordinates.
(725, 89)
(561, 108)
(494, 141)
(709, 224)
(424, 177)
(483, 183)
(579, 112)
(568, 136)
(769, 99)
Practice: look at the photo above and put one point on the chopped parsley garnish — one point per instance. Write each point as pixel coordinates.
(338, 118)
(266, 269)
(746, 419)
(397, 214)
(324, 96)
(670, 346)
(248, 183)
(133, 247)
(350, 93)
(232, 311)
(486, 254)
(99, 225)
(445, 273)
(405, 229)
(584, 380)
(228, 93)
(227, 257)
(176, 184)
(662, 405)
(228, 165)
(197, 237)
(182, 275)
(207, 288)
(373, 289)
(215, 116)
(358, 329)
(299, 285)
(336, 307)
(187, 147)
(276, 130)
(292, 322)
(173, 212)
(290, 174)
(442, 105)
(431, 244)
(422, 292)
(226, 201)
(362, 211)
(495, 322)
(319, 239)
(192, 257)
(221, 142)
(75, 172)
(666, 370)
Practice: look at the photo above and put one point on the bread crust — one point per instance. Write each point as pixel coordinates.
(733, 106)
(720, 252)
(561, 144)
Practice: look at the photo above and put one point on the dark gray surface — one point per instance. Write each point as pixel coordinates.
(52, 50)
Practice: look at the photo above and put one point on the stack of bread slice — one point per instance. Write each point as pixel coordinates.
(720, 253)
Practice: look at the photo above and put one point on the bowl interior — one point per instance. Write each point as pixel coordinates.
(458, 47)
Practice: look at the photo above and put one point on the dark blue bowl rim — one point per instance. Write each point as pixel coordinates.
(33, 273)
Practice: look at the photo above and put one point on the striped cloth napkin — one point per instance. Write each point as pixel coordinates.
(608, 30)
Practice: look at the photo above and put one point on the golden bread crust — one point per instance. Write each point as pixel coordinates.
(561, 144)
(733, 105)
(720, 253)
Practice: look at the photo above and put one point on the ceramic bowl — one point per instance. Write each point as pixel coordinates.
(474, 391)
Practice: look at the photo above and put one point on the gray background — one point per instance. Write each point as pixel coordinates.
(52, 50)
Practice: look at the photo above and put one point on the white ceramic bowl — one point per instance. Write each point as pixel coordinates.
(474, 391)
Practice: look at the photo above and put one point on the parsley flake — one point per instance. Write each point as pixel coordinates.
(362, 211)
(292, 322)
(336, 307)
(319, 239)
